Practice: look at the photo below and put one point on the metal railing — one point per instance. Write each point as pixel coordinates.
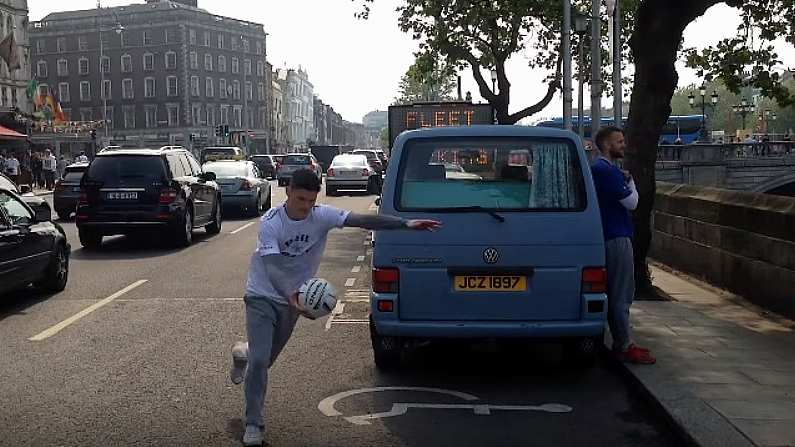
(726, 151)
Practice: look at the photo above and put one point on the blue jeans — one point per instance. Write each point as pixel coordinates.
(620, 289)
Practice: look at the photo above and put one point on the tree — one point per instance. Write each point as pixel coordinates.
(428, 79)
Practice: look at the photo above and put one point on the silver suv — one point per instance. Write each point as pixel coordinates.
(294, 162)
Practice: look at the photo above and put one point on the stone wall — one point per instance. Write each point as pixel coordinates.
(740, 241)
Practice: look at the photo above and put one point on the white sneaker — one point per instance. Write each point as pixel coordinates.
(239, 362)
(252, 436)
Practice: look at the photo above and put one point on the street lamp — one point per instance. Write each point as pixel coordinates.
(702, 91)
(766, 117)
(743, 109)
(118, 28)
(580, 28)
(494, 81)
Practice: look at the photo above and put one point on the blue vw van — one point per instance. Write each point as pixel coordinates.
(520, 253)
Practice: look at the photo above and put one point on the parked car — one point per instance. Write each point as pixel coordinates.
(266, 164)
(138, 190)
(372, 158)
(35, 202)
(294, 162)
(67, 190)
(243, 187)
(33, 249)
(519, 256)
(351, 171)
(221, 153)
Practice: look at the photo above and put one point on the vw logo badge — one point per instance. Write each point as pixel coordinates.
(491, 256)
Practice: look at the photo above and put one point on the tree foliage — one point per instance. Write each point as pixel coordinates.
(428, 79)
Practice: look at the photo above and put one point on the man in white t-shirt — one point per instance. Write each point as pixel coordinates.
(12, 168)
(81, 158)
(289, 249)
(48, 166)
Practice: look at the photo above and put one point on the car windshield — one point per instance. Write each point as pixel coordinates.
(227, 169)
(126, 170)
(496, 174)
(7, 184)
(349, 161)
(296, 160)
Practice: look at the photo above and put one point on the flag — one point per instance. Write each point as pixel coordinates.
(33, 89)
(9, 52)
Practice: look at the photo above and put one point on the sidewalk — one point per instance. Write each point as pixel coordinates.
(725, 371)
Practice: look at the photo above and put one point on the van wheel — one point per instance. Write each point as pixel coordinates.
(387, 351)
(90, 240)
(582, 352)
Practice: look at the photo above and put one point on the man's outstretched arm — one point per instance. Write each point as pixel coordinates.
(384, 222)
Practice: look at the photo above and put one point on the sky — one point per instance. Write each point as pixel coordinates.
(356, 65)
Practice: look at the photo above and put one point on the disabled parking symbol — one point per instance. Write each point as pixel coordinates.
(470, 403)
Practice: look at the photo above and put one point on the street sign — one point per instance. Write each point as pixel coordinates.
(437, 114)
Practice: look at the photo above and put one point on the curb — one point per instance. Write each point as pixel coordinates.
(695, 422)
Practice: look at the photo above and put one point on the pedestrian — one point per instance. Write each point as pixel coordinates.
(37, 178)
(61, 166)
(12, 168)
(289, 248)
(49, 165)
(81, 158)
(618, 196)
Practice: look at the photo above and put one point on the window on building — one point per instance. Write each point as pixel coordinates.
(41, 69)
(149, 62)
(210, 116)
(209, 88)
(235, 66)
(173, 115)
(127, 91)
(246, 45)
(261, 91)
(63, 92)
(171, 60)
(260, 69)
(106, 114)
(196, 114)
(194, 86)
(192, 36)
(235, 90)
(169, 35)
(123, 39)
(249, 91)
(82, 66)
(61, 44)
(150, 116)
(129, 117)
(149, 88)
(85, 91)
(86, 115)
(220, 41)
(63, 67)
(222, 64)
(234, 43)
(208, 62)
(105, 64)
(147, 37)
(40, 47)
(224, 115)
(126, 64)
(222, 91)
(247, 67)
(194, 60)
(206, 39)
(259, 47)
(106, 89)
(238, 117)
(172, 86)
(82, 43)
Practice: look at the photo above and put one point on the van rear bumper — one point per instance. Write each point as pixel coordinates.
(479, 329)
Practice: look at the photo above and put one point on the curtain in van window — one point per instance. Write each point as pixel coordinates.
(554, 179)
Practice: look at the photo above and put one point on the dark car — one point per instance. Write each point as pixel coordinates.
(33, 249)
(243, 187)
(67, 190)
(139, 190)
(267, 165)
(372, 158)
(35, 202)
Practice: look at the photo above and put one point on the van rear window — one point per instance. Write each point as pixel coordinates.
(497, 174)
(126, 170)
(296, 160)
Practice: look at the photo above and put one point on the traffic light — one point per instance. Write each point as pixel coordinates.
(219, 131)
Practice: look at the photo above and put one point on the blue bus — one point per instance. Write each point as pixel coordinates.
(686, 127)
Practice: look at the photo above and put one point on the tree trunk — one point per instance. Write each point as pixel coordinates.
(654, 44)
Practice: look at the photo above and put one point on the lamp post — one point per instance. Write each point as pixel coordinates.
(494, 81)
(566, 52)
(743, 109)
(766, 117)
(702, 91)
(119, 29)
(580, 28)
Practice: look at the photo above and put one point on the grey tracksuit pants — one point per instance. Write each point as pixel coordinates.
(269, 325)
(620, 289)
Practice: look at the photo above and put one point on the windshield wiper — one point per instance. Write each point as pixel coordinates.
(491, 213)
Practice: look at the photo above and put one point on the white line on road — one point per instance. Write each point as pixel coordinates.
(356, 269)
(350, 282)
(62, 325)
(337, 311)
(358, 301)
(242, 228)
(360, 259)
(351, 321)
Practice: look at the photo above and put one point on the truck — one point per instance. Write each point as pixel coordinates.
(325, 154)
(436, 114)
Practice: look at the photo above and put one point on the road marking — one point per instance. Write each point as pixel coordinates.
(356, 269)
(352, 321)
(357, 301)
(242, 228)
(62, 325)
(350, 282)
(336, 311)
(360, 259)
(326, 406)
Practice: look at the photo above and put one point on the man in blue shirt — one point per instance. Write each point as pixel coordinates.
(617, 196)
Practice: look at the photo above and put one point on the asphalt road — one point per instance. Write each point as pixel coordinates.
(150, 366)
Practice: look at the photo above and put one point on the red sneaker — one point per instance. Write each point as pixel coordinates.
(634, 354)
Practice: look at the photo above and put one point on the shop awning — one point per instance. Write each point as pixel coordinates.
(8, 134)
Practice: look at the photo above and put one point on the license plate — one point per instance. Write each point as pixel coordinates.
(122, 196)
(490, 283)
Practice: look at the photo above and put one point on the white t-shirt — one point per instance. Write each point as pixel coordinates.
(48, 163)
(81, 159)
(295, 248)
(12, 166)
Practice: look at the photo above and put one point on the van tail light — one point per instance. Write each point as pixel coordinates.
(168, 196)
(386, 306)
(386, 280)
(245, 185)
(594, 280)
(330, 172)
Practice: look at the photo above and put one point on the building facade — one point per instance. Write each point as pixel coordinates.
(278, 114)
(13, 83)
(163, 72)
(299, 100)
